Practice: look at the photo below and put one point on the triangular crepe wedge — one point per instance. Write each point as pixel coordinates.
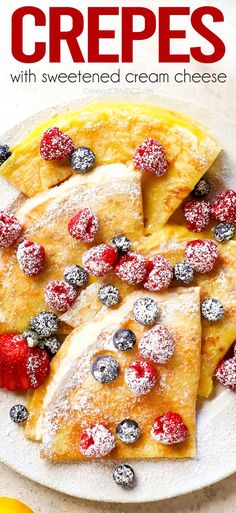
(45, 219)
(71, 399)
(113, 131)
(217, 337)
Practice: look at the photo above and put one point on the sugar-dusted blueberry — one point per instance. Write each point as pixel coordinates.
(31, 338)
(124, 476)
(122, 244)
(109, 295)
(128, 431)
(124, 339)
(76, 276)
(82, 160)
(201, 189)
(4, 153)
(146, 311)
(52, 344)
(223, 232)
(19, 414)
(105, 369)
(212, 310)
(45, 324)
(183, 272)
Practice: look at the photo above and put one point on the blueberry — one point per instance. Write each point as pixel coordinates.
(75, 276)
(128, 431)
(202, 189)
(45, 324)
(123, 475)
(212, 310)
(183, 272)
(31, 338)
(146, 311)
(4, 153)
(223, 232)
(124, 339)
(19, 413)
(105, 369)
(109, 295)
(122, 244)
(52, 344)
(82, 160)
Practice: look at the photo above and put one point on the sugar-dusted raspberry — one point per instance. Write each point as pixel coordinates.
(84, 225)
(169, 429)
(226, 373)
(159, 274)
(96, 442)
(224, 207)
(201, 255)
(157, 345)
(150, 157)
(131, 268)
(31, 257)
(60, 295)
(140, 377)
(197, 215)
(100, 259)
(55, 145)
(10, 229)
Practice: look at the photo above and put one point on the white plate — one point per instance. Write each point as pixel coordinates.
(216, 433)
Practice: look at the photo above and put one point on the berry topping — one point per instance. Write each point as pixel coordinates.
(76, 276)
(226, 373)
(197, 215)
(21, 367)
(183, 272)
(150, 157)
(128, 431)
(201, 255)
(44, 324)
(82, 160)
(109, 295)
(100, 259)
(124, 476)
(140, 377)
(224, 207)
(212, 310)
(4, 153)
(60, 295)
(169, 429)
(52, 344)
(131, 268)
(31, 257)
(124, 340)
(10, 229)
(159, 274)
(122, 244)
(84, 225)
(202, 189)
(31, 338)
(146, 311)
(223, 232)
(105, 369)
(157, 345)
(96, 442)
(19, 414)
(55, 145)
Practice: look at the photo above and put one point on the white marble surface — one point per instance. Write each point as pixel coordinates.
(219, 498)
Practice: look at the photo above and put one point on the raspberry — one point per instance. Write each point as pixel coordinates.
(150, 157)
(131, 268)
(10, 229)
(60, 295)
(84, 225)
(169, 429)
(100, 259)
(226, 373)
(201, 255)
(157, 345)
(31, 257)
(159, 274)
(55, 145)
(224, 207)
(197, 215)
(140, 377)
(96, 442)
